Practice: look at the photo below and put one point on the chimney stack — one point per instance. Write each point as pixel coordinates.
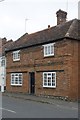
(4, 40)
(61, 16)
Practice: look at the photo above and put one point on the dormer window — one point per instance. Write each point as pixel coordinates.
(48, 50)
(16, 55)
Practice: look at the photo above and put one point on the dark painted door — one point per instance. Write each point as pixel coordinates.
(32, 82)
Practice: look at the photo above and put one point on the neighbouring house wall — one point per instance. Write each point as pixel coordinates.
(0, 60)
(4, 44)
(79, 70)
(0, 47)
(2, 72)
(32, 60)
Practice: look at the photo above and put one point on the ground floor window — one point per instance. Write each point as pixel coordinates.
(16, 79)
(49, 79)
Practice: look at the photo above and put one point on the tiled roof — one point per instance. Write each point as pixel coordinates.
(69, 29)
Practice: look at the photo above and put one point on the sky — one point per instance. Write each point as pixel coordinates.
(18, 17)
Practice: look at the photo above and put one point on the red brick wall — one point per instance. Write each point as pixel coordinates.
(60, 90)
(73, 71)
(64, 62)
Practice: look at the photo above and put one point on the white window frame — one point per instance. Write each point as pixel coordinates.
(49, 75)
(2, 61)
(48, 49)
(16, 55)
(13, 79)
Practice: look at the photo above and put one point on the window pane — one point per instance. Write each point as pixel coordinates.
(20, 82)
(53, 84)
(18, 55)
(45, 50)
(49, 74)
(12, 82)
(49, 84)
(45, 77)
(49, 50)
(45, 84)
(52, 49)
(49, 81)
(53, 79)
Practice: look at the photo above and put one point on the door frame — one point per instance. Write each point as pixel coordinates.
(32, 82)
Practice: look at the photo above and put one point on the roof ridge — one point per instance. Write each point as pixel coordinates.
(58, 32)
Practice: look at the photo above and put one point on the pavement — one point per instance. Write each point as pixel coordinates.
(42, 99)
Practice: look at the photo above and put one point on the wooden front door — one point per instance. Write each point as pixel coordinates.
(32, 82)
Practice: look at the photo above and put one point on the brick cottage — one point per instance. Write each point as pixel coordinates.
(46, 62)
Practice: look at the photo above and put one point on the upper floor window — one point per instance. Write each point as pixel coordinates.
(49, 50)
(16, 55)
(49, 79)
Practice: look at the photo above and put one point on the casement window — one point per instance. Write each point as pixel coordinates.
(16, 55)
(49, 79)
(16, 79)
(48, 50)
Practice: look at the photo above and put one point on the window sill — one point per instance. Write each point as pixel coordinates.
(49, 86)
(16, 85)
(49, 56)
(16, 60)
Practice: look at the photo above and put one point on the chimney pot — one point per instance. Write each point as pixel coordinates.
(48, 26)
